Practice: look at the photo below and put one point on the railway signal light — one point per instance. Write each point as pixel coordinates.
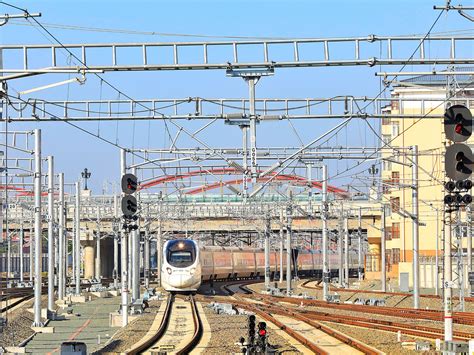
(251, 329)
(129, 206)
(458, 161)
(129, 184)
(458, 123)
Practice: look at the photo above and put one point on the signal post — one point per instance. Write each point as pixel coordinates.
(458, 168)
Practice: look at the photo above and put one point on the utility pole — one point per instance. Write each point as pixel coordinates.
(469, 245)
(146, 261)
(282, 244)
(437, 254)
(359, 249)
(61, 240)
(267, 252)
(124, 281)
(116, 241)
(159, 246)
(50, 234)
(77, 239)
(340, 248)
(383, 251)
(448, 291)
(415, 225)
(38, 231)
(324, 216)
(135, 257)
(97, 247)
(22, 242)
(289, 212)
(346, 251)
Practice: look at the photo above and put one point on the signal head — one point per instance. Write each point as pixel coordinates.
(467, 199)
(448, 199)
(458, 198)
(458, 123)
(450, 186)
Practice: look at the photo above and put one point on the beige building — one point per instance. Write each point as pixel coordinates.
(420, 95)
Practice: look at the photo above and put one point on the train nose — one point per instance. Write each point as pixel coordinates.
(181, 279)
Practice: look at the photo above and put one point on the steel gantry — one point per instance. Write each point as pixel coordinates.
(233, 111)
(305, 52)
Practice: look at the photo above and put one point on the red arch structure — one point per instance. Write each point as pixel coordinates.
(290, 178)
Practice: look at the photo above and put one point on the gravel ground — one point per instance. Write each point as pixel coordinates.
(19, 324)
(124, 338)
(384, 341)
(227, 329)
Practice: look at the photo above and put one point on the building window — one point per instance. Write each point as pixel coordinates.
(388, 234)
(395, 204)
(395, 256)
(395, 177)
(395, 230)
(386, 138)
(395, 129)
(386, 165)
(386, 120)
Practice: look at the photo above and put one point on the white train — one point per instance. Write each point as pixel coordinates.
(181, 270)
(185, 265)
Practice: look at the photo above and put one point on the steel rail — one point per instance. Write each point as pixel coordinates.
(161, 330)
(434, 315)
(305, 285)
(198, 329)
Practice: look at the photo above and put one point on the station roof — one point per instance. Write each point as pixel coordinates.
(440, 80)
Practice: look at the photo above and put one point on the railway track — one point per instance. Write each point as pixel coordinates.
(178, 332)
(298, 327)
(319, 287)
(269, 306)
(466, 318)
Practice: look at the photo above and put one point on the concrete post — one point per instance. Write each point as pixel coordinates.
(469, 244)
(288, 249)
(340, 251)
(50, 233)
(22, 242)
(136, 255)
(253, 128)
(146, 261)
(116, 240)
(38, 231)
(415, 225)
(98, 265)
(267, 252)
(346, 252)
(61, 244)
(282, 244)
(77, 239)
(383, 276)
(124, 241)
(324, 217)
(32, 249)
(448, 291)
(359, 249)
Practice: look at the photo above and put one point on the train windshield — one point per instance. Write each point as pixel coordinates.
(181, 253)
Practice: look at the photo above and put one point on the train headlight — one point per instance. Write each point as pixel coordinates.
(168, 270)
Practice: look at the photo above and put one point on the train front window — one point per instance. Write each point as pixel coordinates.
(181, 253)
(181, 257)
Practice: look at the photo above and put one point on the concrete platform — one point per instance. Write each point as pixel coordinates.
(115, 319)
(49, 330)
(79, 298)
(101, 294)
(92, 322)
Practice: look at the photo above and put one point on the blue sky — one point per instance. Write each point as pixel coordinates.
(74, 151)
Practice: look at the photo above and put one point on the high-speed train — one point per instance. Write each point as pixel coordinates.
(185, 265)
